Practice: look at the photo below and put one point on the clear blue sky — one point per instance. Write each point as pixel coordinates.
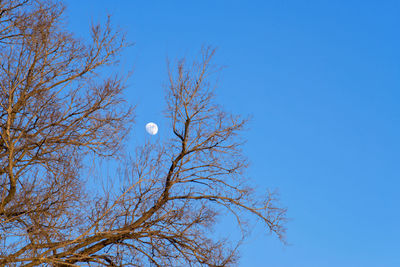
(322, 81)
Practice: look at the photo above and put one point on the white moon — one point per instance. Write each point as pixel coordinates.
(151, 128)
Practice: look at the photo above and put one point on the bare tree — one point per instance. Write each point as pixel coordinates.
(56, 107)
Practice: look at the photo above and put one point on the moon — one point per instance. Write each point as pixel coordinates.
(151, 128)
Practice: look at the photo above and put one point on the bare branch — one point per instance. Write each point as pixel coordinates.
(57, 107)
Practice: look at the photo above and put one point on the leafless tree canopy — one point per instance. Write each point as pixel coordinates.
(56, 106)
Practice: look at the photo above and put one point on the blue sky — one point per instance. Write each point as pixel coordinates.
(322, 82)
